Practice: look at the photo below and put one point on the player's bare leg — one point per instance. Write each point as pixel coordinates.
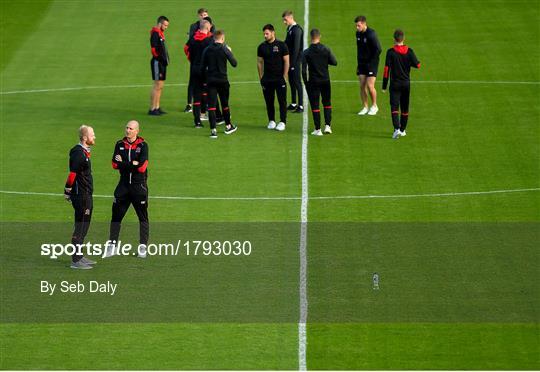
(363, 94)
(370, 88)
(156, 94)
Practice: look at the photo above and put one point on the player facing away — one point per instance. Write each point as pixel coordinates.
(194, 50)
(295, 43)
(273, 68)
(214, 69)
(130, 158)
(315, 62)
(397, 69)
(368, 50)
(202, 13)
(78, 190)
(158, 64)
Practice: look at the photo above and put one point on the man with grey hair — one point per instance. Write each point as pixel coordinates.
(202, 13)
(78, 189)
(194, 49)
(130, 158)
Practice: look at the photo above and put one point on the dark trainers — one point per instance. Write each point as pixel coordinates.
(153, 112)
(188, 108)
(161, 112)
(292, 107)
(299, 110)
(231, 129)
(87, 261)
(213, 134)
(79, 265)
(198, 125)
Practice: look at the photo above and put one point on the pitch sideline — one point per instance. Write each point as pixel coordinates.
(131, 86)
(281, 198)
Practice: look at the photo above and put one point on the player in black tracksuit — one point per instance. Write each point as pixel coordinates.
(194, 50)
(214, 70)
(397, 69)
(203, 14)
(295, 43)
(130, 158)
(315, 62)
(273, 67)
(78, 189)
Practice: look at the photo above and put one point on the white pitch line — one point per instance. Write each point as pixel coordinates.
(108, 87)
(78, 88)
(455, 82)
(302, 331)
(52, 90)
(239, 198)
(443, 194)
(278, 198)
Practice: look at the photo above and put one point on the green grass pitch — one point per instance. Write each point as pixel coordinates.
(458, 257)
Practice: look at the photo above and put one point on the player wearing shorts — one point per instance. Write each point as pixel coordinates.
(158, 64)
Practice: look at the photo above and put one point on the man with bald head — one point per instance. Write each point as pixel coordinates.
(130, 158)
(78, 190)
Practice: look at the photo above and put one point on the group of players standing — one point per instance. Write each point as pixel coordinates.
(277, 63)
(208, 56)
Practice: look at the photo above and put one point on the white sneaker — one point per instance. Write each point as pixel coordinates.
(373, 110)
(317, 132)
(402, 134)
(396, 134)
(280, 126)
(141, 251)
(204, 117)
(231, 129)
(110, 250)
(363, 111)
(327, 129)
(271, 125)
